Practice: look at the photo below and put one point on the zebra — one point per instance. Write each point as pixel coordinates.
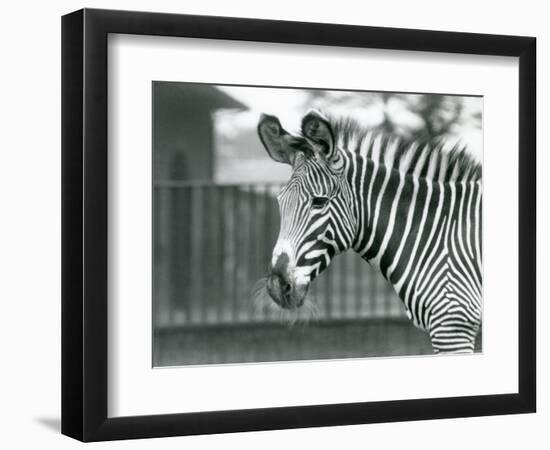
(410, 209)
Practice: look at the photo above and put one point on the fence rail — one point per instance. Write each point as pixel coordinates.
(211, 243)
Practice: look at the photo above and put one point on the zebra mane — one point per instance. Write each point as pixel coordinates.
(426, 159)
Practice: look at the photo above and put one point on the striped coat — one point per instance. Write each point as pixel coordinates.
(412, 210)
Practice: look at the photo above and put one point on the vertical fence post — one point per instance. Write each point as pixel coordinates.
(342, 294)
(196, 264)
(161, 281)
(176, 251)
(329, 294)
(222, 249)
(373, 293)
(206, 278)
(236, 253)
(359, 275)
(271, 233)
(248, 244)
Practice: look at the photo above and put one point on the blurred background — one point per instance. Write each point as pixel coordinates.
(216, 220)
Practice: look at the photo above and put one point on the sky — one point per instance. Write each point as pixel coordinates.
(287, 105)
(241, 158)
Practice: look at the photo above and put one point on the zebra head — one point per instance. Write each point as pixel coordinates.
(315, 205)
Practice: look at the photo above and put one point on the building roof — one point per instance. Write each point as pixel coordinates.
(205, 95)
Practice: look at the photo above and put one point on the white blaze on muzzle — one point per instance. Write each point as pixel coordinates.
(283, 246)
(299, 276)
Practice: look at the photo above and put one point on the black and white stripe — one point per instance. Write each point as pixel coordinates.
(413, 210)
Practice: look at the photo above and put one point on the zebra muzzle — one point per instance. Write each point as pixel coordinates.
(280, 286)
(285, 294)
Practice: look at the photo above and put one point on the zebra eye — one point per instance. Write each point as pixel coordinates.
(319, 202)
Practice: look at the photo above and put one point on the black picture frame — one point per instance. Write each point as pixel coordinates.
(84, 224)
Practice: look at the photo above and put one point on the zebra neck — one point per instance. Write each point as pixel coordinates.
(401, 216)
(386, 200)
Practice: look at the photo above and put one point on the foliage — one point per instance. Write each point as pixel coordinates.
(416, 116)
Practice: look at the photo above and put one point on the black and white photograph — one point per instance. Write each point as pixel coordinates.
(312, 224)
(275, 225)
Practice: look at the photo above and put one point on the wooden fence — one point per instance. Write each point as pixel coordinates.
(211, 243)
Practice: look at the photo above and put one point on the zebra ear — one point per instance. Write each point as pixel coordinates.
(318, 131)
(275, 139)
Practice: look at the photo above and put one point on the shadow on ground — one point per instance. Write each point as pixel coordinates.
(52, 423)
